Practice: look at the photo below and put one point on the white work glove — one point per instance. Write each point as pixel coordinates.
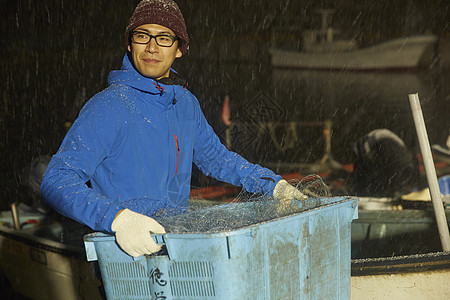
(285, 192)
(133, 233)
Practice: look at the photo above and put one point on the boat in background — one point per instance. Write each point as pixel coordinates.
(322, 49)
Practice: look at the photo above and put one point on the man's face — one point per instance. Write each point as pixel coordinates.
(152, 60)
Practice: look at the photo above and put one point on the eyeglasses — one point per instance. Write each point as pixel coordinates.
(163, 40)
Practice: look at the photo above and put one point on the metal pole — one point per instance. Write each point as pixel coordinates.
(430, 171)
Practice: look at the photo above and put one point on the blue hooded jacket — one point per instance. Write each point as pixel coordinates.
(135, 142)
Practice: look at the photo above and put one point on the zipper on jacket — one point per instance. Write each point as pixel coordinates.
(178, 154)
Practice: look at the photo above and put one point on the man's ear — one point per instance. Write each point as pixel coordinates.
(129, 48)
(179, 53)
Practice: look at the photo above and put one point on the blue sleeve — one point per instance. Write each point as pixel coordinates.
(83, 149)
(215, 160)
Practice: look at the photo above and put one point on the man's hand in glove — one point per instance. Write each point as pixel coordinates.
(285, 192)
(133, 233)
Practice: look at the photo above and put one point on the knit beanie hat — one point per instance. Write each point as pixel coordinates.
(161, 12)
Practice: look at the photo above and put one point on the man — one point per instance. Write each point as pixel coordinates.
(128, 156)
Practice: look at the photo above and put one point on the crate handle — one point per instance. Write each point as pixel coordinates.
(91, 253)
(159, 239)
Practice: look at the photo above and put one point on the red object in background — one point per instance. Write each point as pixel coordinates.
(212, 192)
(226, 111)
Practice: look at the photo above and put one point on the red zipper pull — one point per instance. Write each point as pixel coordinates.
(178, 154)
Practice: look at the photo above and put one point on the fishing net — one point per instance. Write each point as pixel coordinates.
(245, 210)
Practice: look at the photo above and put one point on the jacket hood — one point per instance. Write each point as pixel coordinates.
(129, 76)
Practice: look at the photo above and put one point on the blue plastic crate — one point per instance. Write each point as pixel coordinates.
(302, 256)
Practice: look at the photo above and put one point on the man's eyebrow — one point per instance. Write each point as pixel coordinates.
(148, 31)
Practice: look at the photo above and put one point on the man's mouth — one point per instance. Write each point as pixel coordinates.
(151, 60)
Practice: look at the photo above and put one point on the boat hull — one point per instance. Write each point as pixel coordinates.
(36, 266)
(409, 277)
(406, 53)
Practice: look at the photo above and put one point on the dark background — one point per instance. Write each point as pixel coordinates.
(56, 54)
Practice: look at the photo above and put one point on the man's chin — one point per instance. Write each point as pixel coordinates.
(152, 75)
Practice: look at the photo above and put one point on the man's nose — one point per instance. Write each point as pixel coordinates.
(152, 46)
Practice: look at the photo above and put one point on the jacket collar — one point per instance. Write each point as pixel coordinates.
(128, 75)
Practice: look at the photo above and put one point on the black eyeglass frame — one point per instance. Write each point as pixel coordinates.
(174, 38)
